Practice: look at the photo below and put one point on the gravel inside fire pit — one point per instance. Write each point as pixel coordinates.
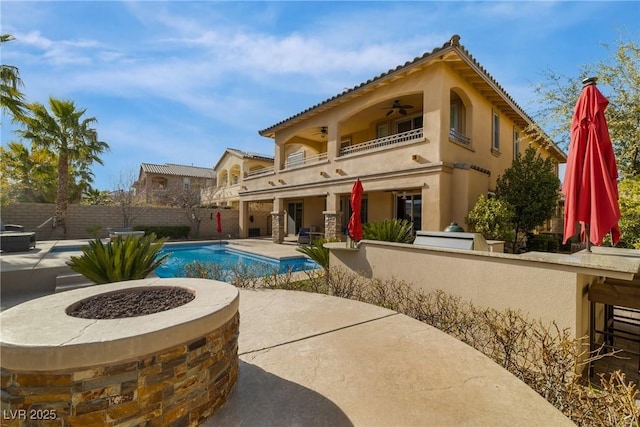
(131, 303)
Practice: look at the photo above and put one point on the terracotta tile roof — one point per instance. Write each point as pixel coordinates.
(178, 170)
(250, 155)
(452, 45)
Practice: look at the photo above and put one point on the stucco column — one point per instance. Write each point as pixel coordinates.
(277, 221)
(333, 143)
(243, 218)
(436, 200)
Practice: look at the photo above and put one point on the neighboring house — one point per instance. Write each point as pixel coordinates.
(231, 170)
(426, 139)
(169, 183)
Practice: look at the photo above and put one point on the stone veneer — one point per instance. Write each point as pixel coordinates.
(277, 227)
(332, 224)
(178, 385)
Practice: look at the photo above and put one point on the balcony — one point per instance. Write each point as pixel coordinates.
(262, 171)
(412, 135)
(299, 162)
(458, 137)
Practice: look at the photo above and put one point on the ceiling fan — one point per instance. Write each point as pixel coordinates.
(322, 131)
(397, 106)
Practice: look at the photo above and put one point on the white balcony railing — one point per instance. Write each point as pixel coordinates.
(383, 142)
(261, 171)
(298, 163)
(458, 137)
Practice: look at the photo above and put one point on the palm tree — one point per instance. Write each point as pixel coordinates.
(11, 99)
(70, 137)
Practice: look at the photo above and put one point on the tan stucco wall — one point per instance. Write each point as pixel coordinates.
(312, 213)
(380, 206)
(501, 281)
(432, 165)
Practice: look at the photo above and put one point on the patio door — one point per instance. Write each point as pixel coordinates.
(409, 207)
(294, 217)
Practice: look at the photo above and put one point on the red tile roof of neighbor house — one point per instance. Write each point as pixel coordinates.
(178, 170)
(243, 155)
(250, 155)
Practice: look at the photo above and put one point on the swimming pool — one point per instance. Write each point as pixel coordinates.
(228, 260)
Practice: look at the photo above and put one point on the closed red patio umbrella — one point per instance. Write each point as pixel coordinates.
(355, 225)
(590, 183)
(219, 222)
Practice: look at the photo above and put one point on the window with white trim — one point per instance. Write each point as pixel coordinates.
(495, 129)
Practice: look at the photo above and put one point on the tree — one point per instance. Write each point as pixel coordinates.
(95, 197)
(619, 80)
(11, 98)
(70, 137)
(125, 197)
(492, 217)
(28, 176)
(629, 191)
(187, 198)
(531, 187)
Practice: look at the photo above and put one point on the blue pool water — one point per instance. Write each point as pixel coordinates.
(227, 259)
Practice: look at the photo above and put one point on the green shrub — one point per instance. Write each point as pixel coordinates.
(120, 259)
(169, 231)
(389, 230)
(317, 252)
(492, 218)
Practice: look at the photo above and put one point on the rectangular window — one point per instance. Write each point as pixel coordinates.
(186, 182)
(516, 143)
(496, 132)
(346, 142)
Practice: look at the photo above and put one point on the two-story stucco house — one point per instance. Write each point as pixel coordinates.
(426, 139)
(231, 170)
(158, 184)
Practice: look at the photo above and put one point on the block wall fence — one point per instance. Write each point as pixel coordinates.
(82, 218)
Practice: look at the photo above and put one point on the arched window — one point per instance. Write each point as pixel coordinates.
(458, 119)
(223, 179)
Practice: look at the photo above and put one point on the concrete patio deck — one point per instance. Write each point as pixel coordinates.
(309, 359)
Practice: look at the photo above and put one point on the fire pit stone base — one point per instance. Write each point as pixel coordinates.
(176, 383)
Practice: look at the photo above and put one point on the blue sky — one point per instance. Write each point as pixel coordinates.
(180, 81)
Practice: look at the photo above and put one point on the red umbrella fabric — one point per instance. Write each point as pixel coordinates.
(355, 226)
(219, 221)
(590, 183)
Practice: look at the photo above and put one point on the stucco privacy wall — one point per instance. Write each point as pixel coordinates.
(500, 281)
(82, 217)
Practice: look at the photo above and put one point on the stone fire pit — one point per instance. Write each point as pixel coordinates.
(175, 366)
